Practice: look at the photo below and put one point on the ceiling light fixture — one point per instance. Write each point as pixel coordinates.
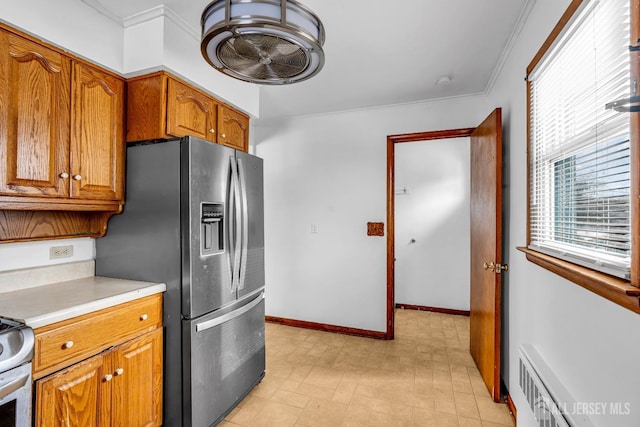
(444, 81)
(270, 42)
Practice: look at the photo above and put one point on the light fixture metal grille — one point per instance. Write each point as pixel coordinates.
(263, 41)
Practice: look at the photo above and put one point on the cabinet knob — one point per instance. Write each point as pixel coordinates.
(144, 316)
(118, 371)
(212, 131)
(223, 135)
(64, 175)
(108, 377)
(77, 177)
(68, 344)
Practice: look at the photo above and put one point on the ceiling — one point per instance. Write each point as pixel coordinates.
(380, 52)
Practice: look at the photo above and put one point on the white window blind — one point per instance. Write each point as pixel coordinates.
(579, 151)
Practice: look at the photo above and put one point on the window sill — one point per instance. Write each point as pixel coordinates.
(612, 288)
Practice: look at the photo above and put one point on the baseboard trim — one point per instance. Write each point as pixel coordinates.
(326, 328)
(512, 410)
(434, 309)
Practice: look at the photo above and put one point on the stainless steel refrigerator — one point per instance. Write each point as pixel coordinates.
(193, 219)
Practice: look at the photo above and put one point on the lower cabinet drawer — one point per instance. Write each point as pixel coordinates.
(63, 343)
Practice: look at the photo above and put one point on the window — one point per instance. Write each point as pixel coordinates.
(580, 147)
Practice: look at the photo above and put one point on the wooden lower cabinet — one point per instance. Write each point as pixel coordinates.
(121, 386)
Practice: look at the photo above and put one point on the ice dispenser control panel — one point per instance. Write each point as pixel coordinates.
(211, 228)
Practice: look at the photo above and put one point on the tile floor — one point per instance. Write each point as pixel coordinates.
(425, 377)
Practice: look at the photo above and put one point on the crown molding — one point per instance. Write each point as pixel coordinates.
(145, 16)
(517, 29)
(98, 7)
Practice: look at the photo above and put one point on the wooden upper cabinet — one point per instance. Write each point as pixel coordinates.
(61, 142)
(190, 112)
(61, 125)
(97, 137)
(161, 106)
(34, 118)
(233, 128)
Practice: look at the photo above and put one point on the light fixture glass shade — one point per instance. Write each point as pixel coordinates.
(263, 41)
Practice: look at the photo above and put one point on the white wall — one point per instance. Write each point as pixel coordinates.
(330, 170)
(14, 256)
(161, 40)
(432, 223)
(155, 40)
(590, 343)
(71, 25)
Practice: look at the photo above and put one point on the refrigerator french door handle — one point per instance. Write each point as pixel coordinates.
(245, 223)
(237, 224)
(212, 323)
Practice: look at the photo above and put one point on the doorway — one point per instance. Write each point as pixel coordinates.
(486, 240)
(432, 214)
(392, 140)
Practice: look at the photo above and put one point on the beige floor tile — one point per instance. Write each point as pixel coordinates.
(344, 392)
(425, 377)
(315, 391)
(274, 414)
(466, 405)
(324, 377)
(323, 413)
(493, 412)
(290, 398)
(469, 422)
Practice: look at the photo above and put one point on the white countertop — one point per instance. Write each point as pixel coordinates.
(42, 305)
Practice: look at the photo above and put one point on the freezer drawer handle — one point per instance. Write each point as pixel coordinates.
(229, 316)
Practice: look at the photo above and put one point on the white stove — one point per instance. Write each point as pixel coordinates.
(16, 352)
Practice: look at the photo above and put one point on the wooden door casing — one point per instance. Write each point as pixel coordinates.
(97, 139)
(391, 141)
(486, 249)
(34, 118)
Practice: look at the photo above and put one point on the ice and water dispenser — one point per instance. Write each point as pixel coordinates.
(212, 228)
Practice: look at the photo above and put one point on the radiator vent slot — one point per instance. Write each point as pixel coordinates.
(549, 401)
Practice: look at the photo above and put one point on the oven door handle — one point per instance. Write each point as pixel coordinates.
(15, 385)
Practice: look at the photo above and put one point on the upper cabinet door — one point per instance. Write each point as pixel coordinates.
(97, 138)
(233, 128)
(34, 119)
(190, 112)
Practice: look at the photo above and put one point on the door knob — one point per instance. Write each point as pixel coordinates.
(491, 266)
(119, 371)
(108, 377)
(64, 175)
(77, 177)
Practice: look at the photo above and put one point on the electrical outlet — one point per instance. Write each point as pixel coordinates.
(56, 252)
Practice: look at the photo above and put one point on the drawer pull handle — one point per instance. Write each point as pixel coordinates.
(64, 175)
(108, 378)
(212, 131)
(144, 317)
(77, 177)
(118, 371)
(224, 135)
(68, 344)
